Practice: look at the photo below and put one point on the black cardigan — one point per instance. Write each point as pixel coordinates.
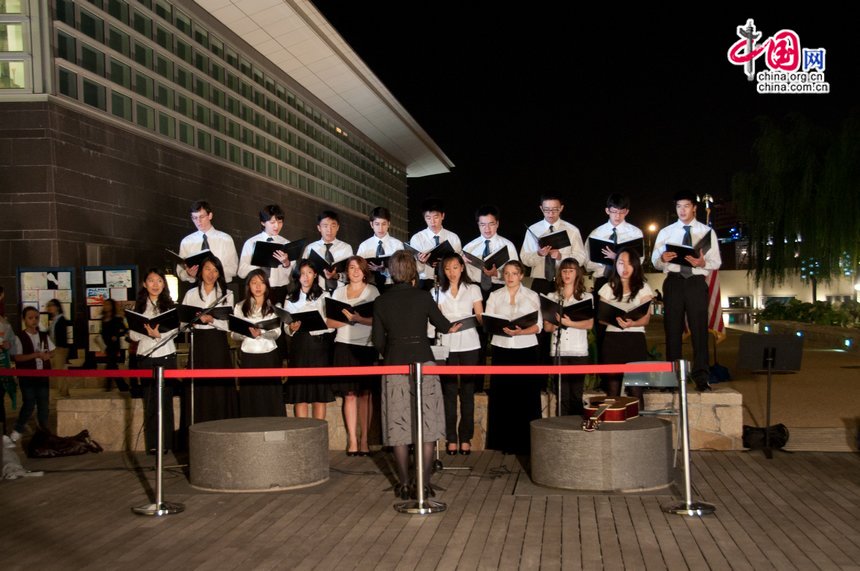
(400, 324)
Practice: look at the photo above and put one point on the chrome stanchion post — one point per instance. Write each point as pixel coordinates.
(688, 507)
(191, 358)
(420, 505)
(160, 507)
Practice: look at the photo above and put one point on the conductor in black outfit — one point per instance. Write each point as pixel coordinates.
(400, 318)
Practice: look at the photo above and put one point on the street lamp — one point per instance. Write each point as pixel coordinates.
(652, 229)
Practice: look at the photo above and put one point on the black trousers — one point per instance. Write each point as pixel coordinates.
(467, 385)
(687, 298)
(571, 387)
(150, 403)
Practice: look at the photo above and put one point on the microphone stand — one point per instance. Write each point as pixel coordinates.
(560, 293)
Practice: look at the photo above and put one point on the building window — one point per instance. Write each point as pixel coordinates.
(143, 85)
(119, 10)
(13, 74)
(164, 9)
(167, 125)
(92, 26)
(68, 83)
(183, 50)
(184, 78)
(92, 60)
(164, 38)
(164, 67)
(142, 24)
(220, 147)
(120, 74)
(120, 105)
(11, 7)
(145, 116)
(183, 23)
(183, 105)
(118, 41)
(66, 47)
(164, 95)
(11, 37)
(94, 94)
(217, 46)
(201, 36)
(204, 141)
(143, 55)
(186, 133)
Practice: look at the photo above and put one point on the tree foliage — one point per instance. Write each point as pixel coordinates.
(802, 201)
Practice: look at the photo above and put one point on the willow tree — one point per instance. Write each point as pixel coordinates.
(801, 203)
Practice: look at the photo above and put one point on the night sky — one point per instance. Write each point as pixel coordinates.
(540, 98)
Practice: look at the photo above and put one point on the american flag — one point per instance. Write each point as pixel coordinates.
(715, 308)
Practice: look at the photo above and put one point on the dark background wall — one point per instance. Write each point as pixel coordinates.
(76, 190)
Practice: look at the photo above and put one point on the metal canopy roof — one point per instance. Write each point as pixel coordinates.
(295, 36)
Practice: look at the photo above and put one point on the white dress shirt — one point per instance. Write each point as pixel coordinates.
(529, 251)
(367, 249)
(304, 305)
(476, 248)
(197, 297)
(263, 344)
(574, 342)
(145, 343)
(357, 333)
(278, 276)
(457, 307)
(220, 244)
(626, 304)
(340, 250)
(674, 234)
(424, 241)
(624, 232)
(525, 301)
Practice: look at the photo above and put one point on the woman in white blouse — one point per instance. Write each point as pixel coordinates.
(513, 401)
(310, 395)
(459, 298)
(214, 399)
(570, 341)
(153, 300)
(353, 348)
(259, 396)
(625, 339)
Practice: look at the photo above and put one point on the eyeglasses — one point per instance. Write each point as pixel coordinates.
(550, 210)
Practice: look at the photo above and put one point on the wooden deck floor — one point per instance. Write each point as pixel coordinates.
(797, 511)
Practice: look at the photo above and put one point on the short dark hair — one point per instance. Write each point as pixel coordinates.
(270, 210)
(686, 195)
(550, 196)
(328, 214)
(27, 310)
(198, 204)
(432, 205)
(487, 210)
(402, 267)
(618, 200)
(380, 212)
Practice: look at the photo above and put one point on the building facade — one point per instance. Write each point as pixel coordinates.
(116, 114)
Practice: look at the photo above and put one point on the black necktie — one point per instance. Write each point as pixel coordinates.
(436, 240)
(486, 281)
(614, 236)
(549, 263)
(205, 245)
(330, 285)
(687, 271)
(380, 251)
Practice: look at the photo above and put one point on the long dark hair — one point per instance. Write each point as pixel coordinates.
(163, 303)
(220, 283)
(315, 291)
(578, 282)
(637, 278)
(444, 282)
(248, 304)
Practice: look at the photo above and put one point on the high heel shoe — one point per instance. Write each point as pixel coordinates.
(451, 451)
(402, 491)
(465, 451)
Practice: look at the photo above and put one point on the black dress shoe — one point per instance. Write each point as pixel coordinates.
(363, 452)
(402, 491)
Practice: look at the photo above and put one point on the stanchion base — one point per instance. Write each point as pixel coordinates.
(164, 508)
(414, 507)
(692, 509)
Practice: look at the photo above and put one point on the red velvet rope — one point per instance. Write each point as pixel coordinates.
(651, 367)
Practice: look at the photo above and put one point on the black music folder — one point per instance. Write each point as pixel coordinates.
(319, 264)
(242, 326)
(263, 256)
(192, 260)
(596, 245)
(579, 311)
(334, 309)
(497, 259)
(494, 324)
(702, 245)
(165, 321)
(607, 312)
(436, 253)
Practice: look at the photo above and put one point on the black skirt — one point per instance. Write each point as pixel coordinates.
(310, 351)
(514, 401)
(261, 396)
(214, 399)
(623, 347)
(347, 355)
